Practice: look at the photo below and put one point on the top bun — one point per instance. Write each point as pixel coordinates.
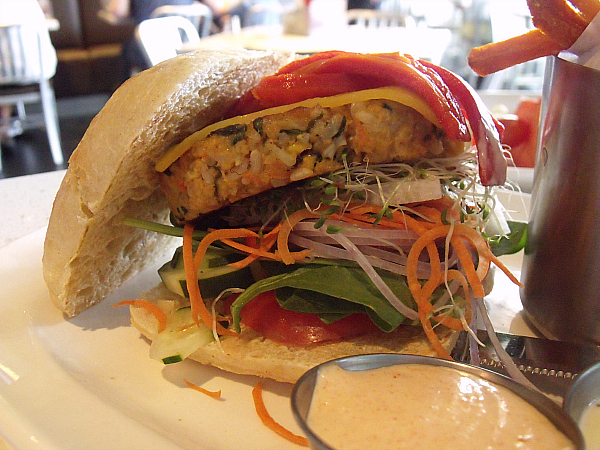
(88, 252)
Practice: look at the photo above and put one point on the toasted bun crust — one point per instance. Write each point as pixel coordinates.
(255, 355)
(88, 252)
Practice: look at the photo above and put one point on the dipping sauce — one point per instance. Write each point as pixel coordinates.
(590, 425)
(419, 406)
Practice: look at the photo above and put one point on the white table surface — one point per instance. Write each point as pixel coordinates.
(26, 203)
(424, 43)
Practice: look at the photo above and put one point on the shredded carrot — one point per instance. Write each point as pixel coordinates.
(504, 269)
(432, 336)
(266, 243)
(422, 294)
(467, 263)
(256, 251)
(268, 420)
(160, 315)
(480, 244)
(260, 252)
(284, 234)
(398, 220)
(219, 235)
(432, 214)
(212, 394)
(199, 310)
(474, 276)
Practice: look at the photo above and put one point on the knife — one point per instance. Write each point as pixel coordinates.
(550, 365)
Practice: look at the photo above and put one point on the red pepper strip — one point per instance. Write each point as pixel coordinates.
(431, 68)
(247, 104)
(429, 73)
(299, 63)
(492, 164)
(397, 72)
(331, 73)
(250, 103)
(291, 88)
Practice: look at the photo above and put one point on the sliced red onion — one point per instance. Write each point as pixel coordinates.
(398, 244)
(352, 231)
(473, 344)
(329, 251)
(423, 268)
(505, 358)
(375, 278)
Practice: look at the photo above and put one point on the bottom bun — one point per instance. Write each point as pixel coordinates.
(253, 354)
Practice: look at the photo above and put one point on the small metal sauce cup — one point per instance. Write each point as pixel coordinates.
(583, 392)
(304, 388)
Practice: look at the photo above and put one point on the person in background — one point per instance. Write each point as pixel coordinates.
(364, 4)
(136, 11)
(249, 12)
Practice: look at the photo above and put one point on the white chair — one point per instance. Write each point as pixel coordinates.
(197, 13)
(25, 79)
(161, 38)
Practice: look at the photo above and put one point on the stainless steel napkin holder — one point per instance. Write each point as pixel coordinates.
(561, 265)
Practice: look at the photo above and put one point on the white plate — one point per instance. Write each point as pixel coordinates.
(88, 382)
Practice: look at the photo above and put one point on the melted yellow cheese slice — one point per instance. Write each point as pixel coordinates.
(393, 93)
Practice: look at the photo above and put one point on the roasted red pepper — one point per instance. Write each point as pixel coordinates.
(336, 72)
(486, 130)
(340, 72)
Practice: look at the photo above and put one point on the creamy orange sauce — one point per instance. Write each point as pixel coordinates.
(417, 406)
(590, 425)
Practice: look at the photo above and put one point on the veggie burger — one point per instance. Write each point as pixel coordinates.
(314, 208)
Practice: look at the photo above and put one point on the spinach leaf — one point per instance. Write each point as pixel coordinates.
(327, 307)
(512, 242)
(345, 283)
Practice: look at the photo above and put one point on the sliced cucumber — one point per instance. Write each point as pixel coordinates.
(214, 275)
(181, 338)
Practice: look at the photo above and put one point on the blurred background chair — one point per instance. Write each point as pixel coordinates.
(265, 12)
(27, 63)
(161, 38)
(371, 18)
(199, 14)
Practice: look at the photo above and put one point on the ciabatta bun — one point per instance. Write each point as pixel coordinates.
(88, 252)
(252, 354)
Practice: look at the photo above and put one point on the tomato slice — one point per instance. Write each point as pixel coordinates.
(521, 132)
(516, 130)
(264, 315)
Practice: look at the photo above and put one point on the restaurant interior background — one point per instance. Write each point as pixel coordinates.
(90, 63)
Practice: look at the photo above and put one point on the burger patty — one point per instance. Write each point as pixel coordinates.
(242, 160)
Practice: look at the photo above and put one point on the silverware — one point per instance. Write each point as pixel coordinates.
(551, 366)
